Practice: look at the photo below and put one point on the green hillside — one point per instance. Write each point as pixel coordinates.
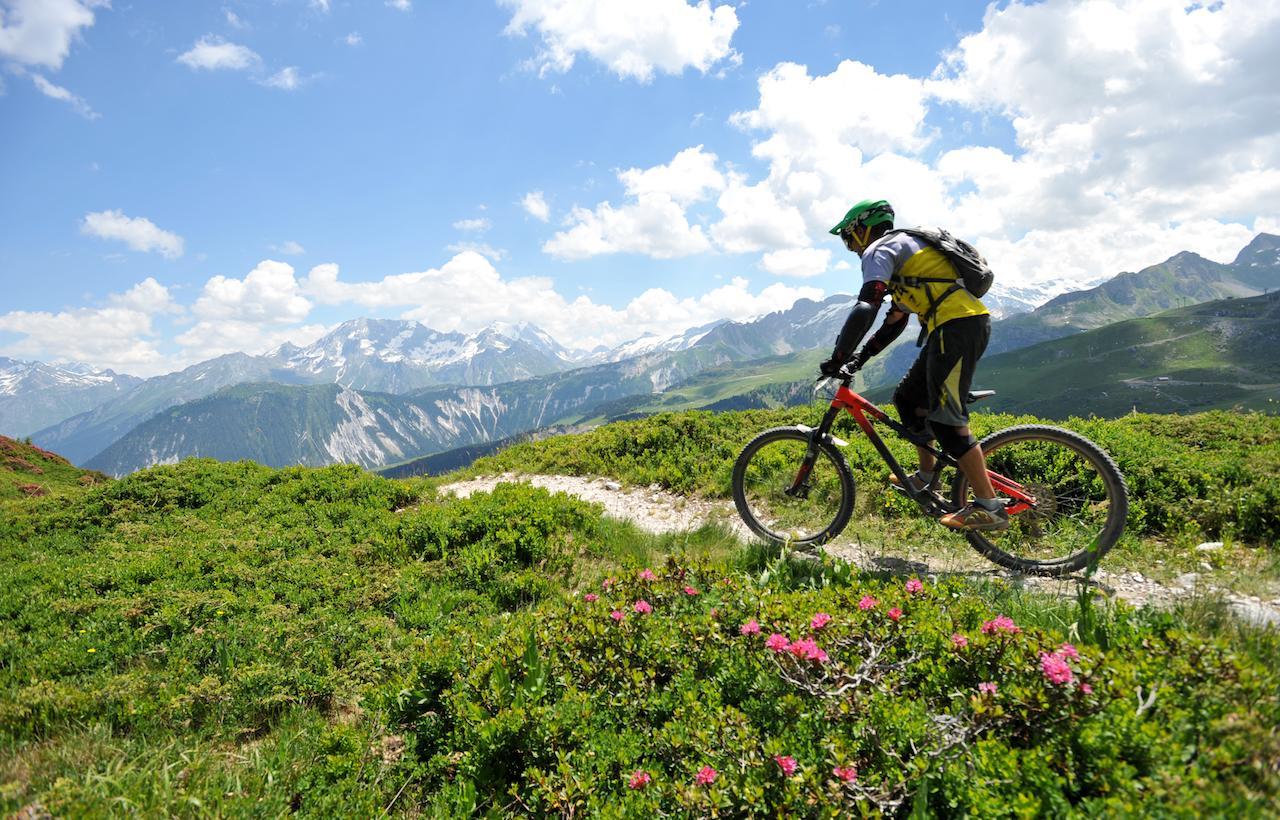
(234, 640)
(1215, 355)
(28, 471)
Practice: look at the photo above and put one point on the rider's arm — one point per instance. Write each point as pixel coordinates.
(859, 321)
(895, 321)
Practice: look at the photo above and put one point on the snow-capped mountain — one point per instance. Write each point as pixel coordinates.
(653, 343)
(34, 395)
(396, 356)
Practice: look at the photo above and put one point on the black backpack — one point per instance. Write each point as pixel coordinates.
(972, 266)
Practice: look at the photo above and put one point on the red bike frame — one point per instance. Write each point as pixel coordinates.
(860, 409)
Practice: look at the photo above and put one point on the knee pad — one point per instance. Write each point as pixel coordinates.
(952, 443)
(917, 425)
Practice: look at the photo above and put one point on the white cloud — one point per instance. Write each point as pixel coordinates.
(138, 233)
(653, 222)
(536, 206)
(234, 20)
(269, 294)
(148, 296)
(1143, 128)
(477, 224)
(797, 262)
(483, 248)
(432, 297)
(40, 32)
(213, 53)
(632, 39)
(353, 39)
(321, 6)
(286, 79)
(207, 339)
(401, 5)
(57, 92)
(653, 225)
(120, 335)
(289, 248)
(689, 177)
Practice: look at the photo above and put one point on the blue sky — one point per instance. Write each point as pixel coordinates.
(179, 183)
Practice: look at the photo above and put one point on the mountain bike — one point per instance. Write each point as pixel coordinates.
(1066, 499)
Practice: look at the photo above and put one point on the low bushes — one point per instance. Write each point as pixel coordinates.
(693, 692)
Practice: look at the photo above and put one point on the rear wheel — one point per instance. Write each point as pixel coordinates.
(774, 507)
(1081, 500)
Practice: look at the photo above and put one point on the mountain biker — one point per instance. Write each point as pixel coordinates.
(931, 396)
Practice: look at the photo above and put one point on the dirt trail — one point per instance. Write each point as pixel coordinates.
(657, 511)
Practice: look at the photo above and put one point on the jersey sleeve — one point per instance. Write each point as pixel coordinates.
(878, 265)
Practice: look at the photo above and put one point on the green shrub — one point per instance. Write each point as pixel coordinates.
(557, 714)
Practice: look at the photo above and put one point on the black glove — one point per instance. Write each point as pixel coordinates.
(831, 367)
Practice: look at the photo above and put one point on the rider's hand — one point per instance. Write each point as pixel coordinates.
(831, 367)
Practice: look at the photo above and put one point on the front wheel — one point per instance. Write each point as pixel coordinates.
(782, 503)
(1081, 500)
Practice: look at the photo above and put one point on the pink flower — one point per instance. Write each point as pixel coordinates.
(646, 574)
(1055, 667)
(705, 776)
(820, 620)
(643, 607)
(787, 763)
(617, 615)
(590, 597)
(867, 602)
(1001, 623)
(846, 773)
(608, 582)
(639, 779)
(690, 591)
(914, 586)
(1069, 651)
(808, 650)
(895, 613)
(750, 628)
(776, 642)
(988, 688)
(959, 641)
(1086, 688)
(715, 613)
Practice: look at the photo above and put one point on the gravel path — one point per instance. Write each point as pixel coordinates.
(657, 511)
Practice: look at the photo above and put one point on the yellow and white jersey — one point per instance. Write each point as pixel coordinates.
(899, 259)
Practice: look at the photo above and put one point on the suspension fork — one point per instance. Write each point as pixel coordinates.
(800, 487)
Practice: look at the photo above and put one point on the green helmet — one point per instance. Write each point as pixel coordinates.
(866, 214)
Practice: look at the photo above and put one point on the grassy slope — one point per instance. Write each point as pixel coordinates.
(27, 470)
(237, 640)
(1216, 355)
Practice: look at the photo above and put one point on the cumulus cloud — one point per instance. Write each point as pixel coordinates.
(654, 222)
(1142, 128)
(40, 32)
(205, 339)
(139, 233)
(57, 92)
(269, 293)
(536, 206)
(432, 296)
(213, 53)
(120, 335)
(797, 262)
(632, 39)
